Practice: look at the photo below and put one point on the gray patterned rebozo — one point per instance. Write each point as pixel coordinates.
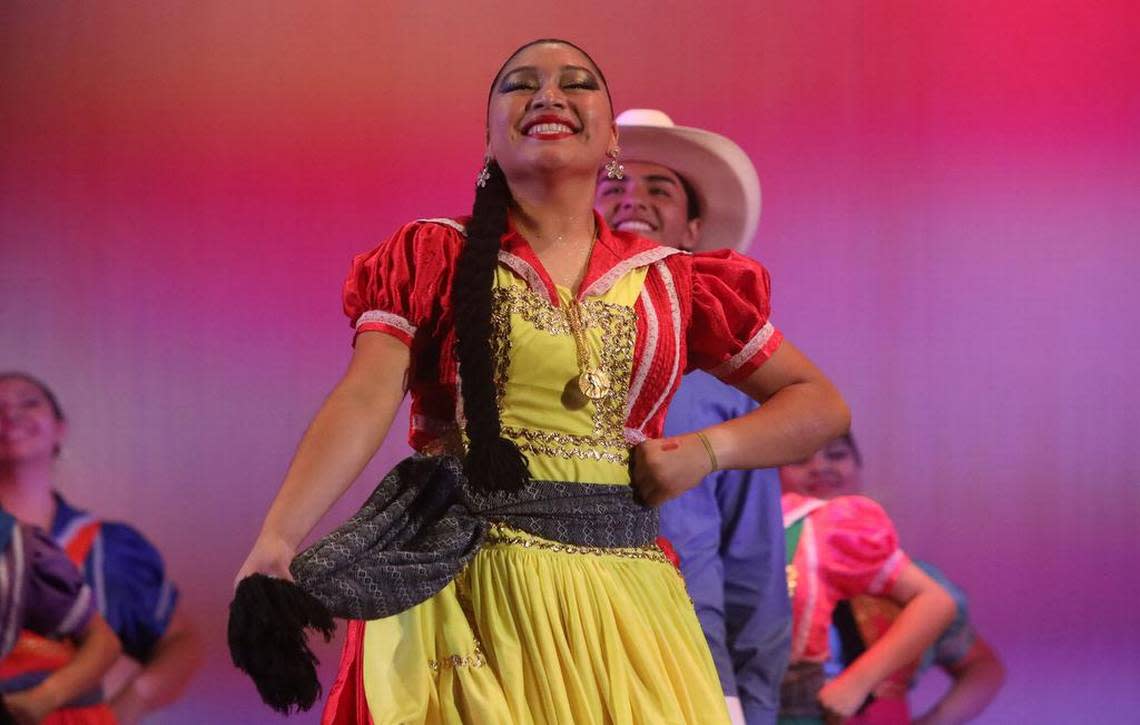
(423, 523)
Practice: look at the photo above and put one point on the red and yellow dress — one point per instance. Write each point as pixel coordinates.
(532, 630)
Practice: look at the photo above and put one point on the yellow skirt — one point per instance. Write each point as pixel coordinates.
(534, 631)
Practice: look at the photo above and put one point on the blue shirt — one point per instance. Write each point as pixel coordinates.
(729, 534)
(953, 644)
(128, 578)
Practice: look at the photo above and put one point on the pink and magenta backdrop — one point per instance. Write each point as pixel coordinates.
(950, 216)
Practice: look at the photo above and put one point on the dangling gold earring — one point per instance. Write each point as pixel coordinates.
(615, 171)
(484, 174)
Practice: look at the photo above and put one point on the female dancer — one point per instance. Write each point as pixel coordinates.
(975, 671)
(123, 568)
(541, 349)
(840, 549)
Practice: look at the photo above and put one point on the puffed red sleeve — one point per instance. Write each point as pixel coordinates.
(730, 334)
(860, 552)
(402, 286)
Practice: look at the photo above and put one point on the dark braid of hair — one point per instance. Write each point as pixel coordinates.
(492, 461)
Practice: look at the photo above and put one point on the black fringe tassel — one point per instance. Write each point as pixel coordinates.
(268, 619)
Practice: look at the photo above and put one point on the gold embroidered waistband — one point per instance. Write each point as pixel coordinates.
(502, 535)
(611, 448)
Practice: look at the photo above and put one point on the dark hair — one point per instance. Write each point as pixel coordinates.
(492, 461)
(693, 210)
(540, 41)
(56, 410)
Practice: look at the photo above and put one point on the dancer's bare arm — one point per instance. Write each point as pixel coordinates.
(98, 648)
(927, 610)
(164, 677)
(801, 411)
(345, 433)
(977, 679)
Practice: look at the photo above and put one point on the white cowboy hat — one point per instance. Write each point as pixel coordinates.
(723, 176)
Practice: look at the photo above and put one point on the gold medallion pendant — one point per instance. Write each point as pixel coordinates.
(594, 383)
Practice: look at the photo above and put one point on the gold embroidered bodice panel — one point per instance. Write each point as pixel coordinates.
(564, 435)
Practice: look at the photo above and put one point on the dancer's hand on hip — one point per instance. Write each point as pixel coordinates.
(664, 468)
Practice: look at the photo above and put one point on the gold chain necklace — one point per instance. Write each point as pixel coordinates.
(592, 380)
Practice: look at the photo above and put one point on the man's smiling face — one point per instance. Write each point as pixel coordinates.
(651, 202)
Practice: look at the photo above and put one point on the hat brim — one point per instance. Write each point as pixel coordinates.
(721, 173)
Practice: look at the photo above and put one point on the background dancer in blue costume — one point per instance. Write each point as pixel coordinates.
(698, 191)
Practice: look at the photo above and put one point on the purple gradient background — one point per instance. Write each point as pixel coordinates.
(950, 215)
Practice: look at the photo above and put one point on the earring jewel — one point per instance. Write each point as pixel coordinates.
(484, 174)
(615, 171)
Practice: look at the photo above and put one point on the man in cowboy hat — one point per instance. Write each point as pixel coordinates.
(697, 190)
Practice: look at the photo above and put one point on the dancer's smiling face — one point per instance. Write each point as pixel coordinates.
(549, 110)
(832, 471)
(652, 202)
(30, 429)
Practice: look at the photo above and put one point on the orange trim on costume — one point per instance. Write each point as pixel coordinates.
(80, 544)
(101, 714)
(34, 653)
